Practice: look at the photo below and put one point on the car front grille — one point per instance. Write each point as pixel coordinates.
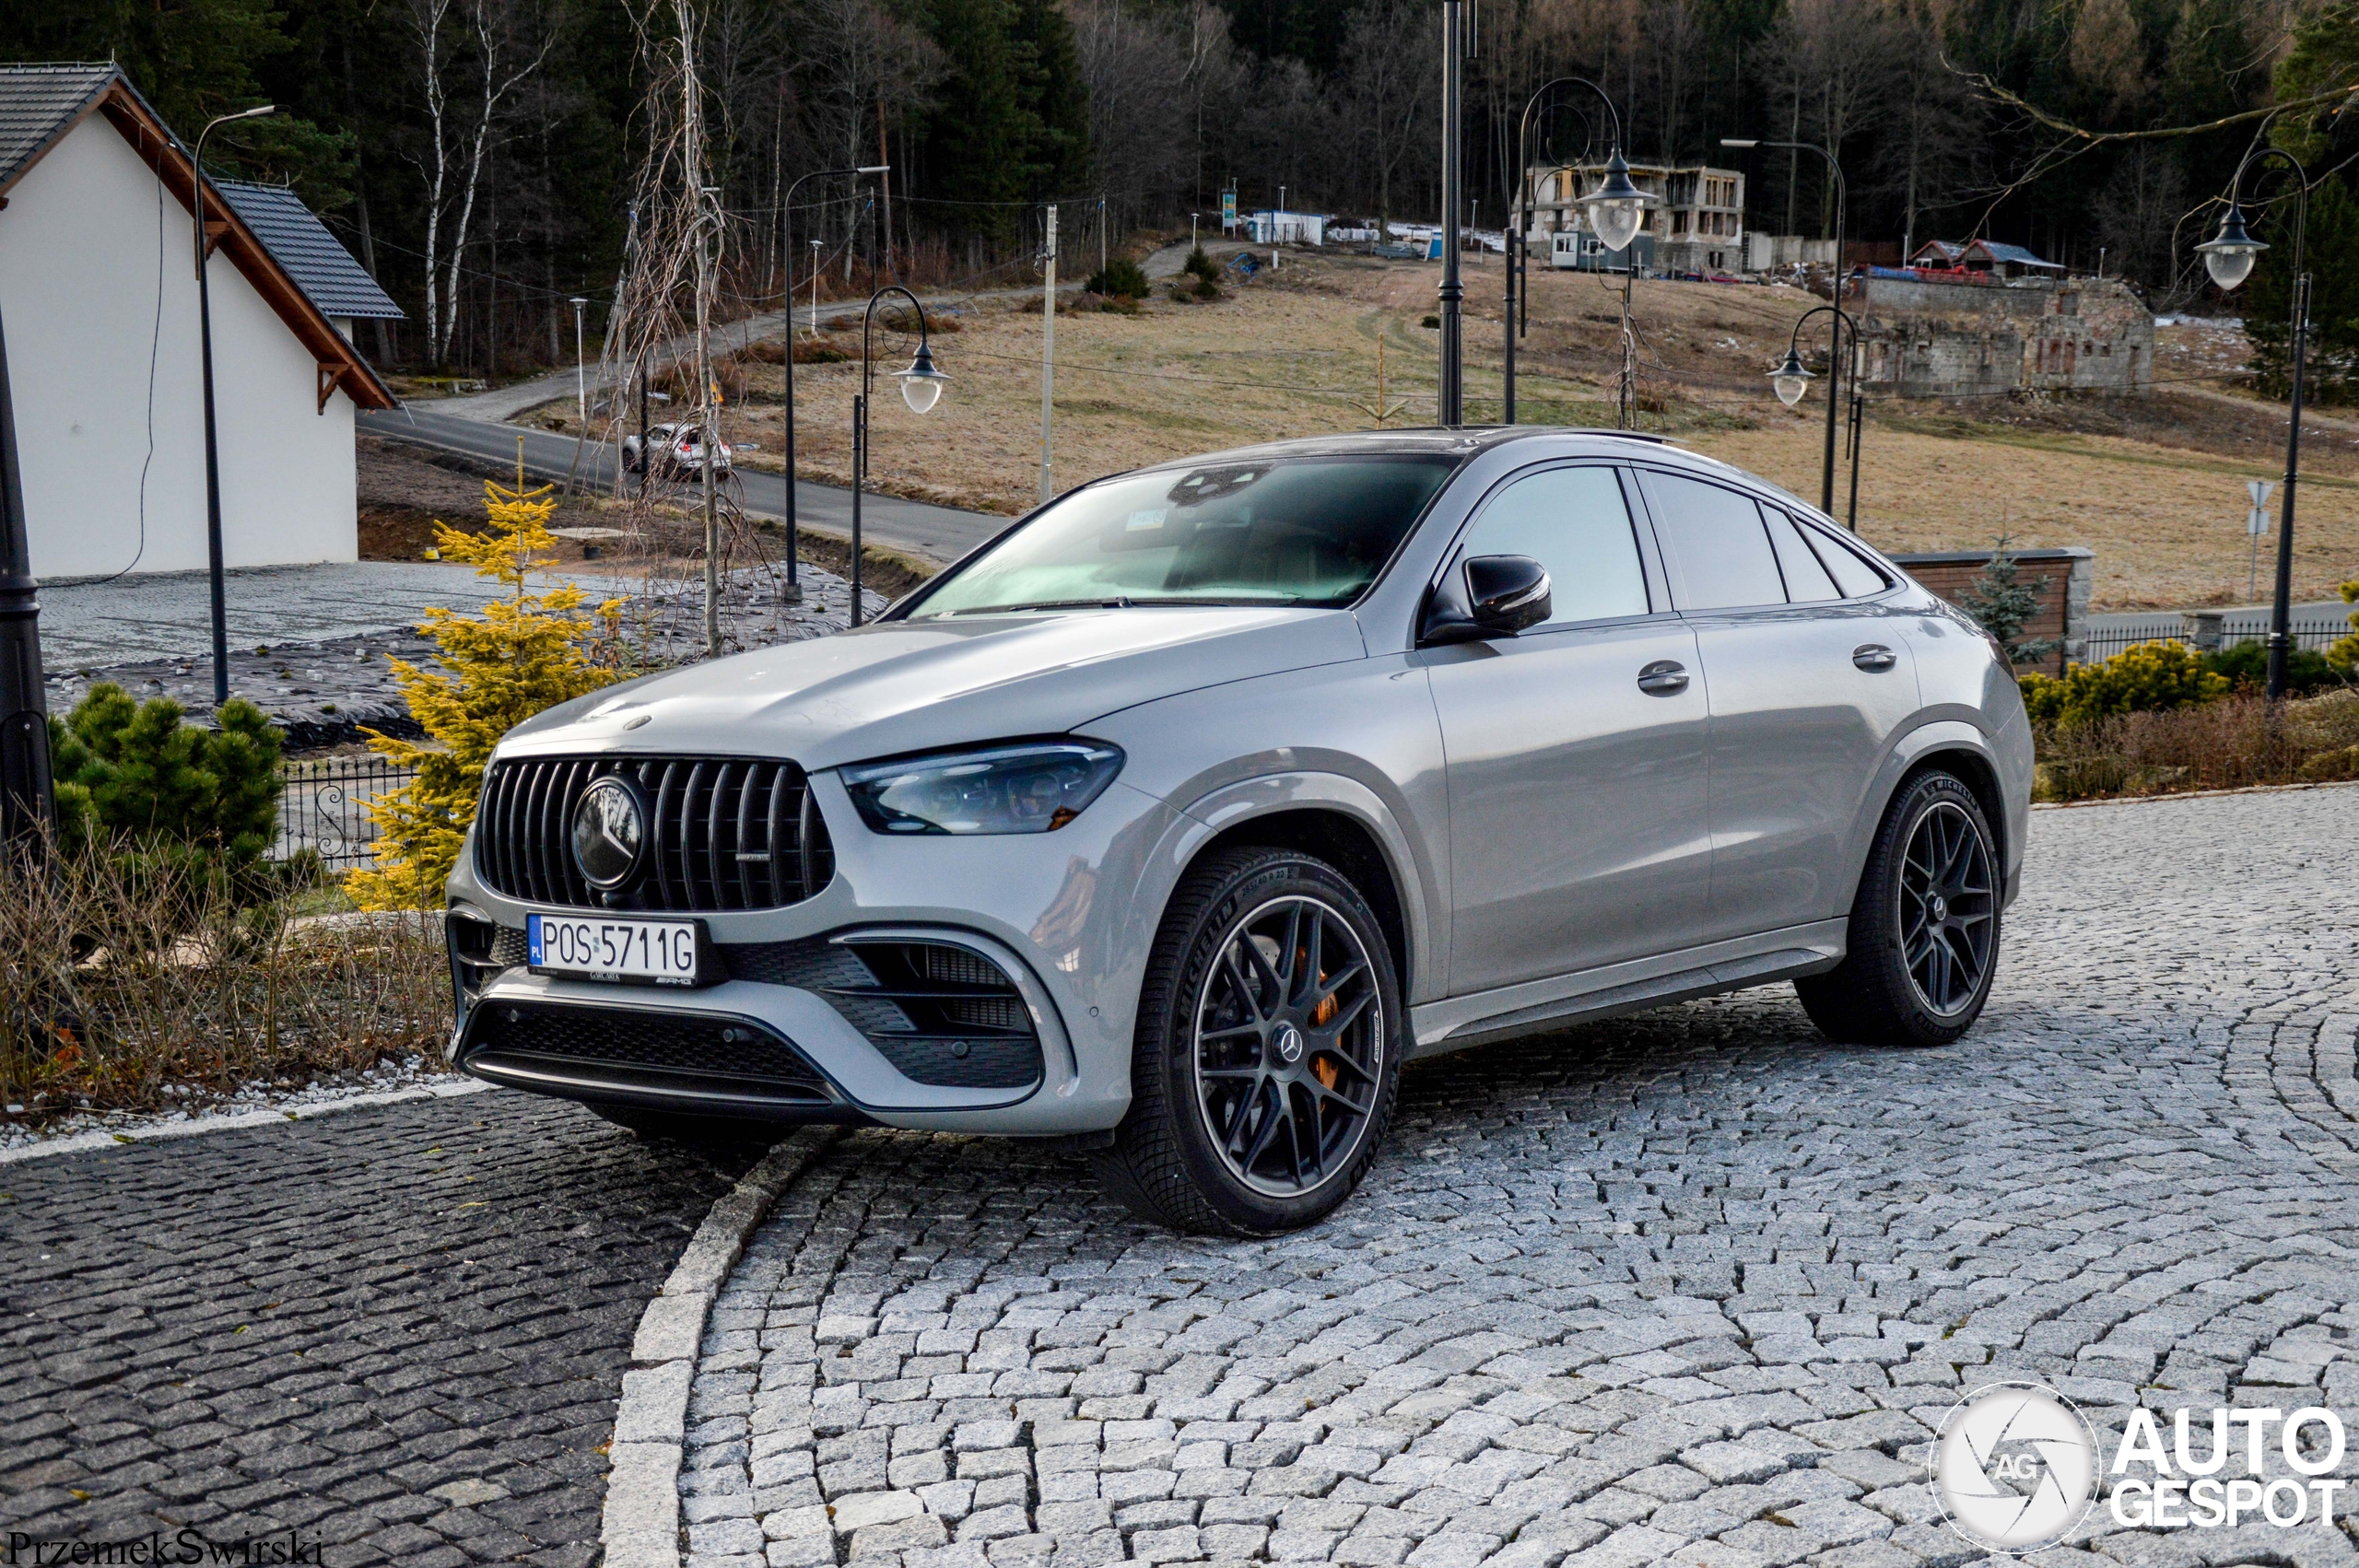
(729, 833)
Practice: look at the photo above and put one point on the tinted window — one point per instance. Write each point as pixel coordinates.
(1806, 579)
(1719, 553)
(1852, 574)
(1574, 523)
(1299, 530)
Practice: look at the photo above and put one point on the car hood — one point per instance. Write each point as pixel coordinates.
(902, 686)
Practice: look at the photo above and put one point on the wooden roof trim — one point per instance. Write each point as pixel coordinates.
(155, 147)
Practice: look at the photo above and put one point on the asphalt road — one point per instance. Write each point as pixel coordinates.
(938, 534)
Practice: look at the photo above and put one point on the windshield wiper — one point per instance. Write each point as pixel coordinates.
(1117, 603)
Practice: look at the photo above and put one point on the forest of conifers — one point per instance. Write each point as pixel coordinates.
(499, 143)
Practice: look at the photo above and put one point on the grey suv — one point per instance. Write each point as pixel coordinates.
(1179, 817)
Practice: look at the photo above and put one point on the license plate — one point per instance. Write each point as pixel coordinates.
(592, 947)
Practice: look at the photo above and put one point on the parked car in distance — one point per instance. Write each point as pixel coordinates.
(1177, 818)
(678, 450)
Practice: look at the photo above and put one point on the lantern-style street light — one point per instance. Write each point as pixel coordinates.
(2228, 256)
(1834, 380)
(921, 386)
(1615, 210)
(786, 255)
(1792, 378)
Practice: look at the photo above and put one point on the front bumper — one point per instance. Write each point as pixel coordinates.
(1066, 918)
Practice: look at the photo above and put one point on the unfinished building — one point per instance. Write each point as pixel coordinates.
(1923, 338)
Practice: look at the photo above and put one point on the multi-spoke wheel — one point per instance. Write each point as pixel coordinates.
(1924, 936)
(1289, 1046)
(1268, 1049)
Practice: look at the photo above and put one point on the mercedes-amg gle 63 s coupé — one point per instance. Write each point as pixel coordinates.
(1176, 819)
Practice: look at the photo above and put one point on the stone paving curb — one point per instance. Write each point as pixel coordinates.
(107, 1138)
(641, 1527)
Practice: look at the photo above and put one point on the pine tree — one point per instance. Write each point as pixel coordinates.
(524, 654)
(2001, 602)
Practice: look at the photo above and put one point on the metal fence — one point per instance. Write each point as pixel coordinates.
(2312, 630)
(323, 807)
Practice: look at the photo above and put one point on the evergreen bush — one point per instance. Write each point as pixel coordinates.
(521, 656)
(1118, 279)
(2001, 602)
(2148, 677)
(133, 779)
(1202, 267)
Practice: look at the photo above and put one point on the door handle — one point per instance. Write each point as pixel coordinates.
(1874, 657)
(1664, 677)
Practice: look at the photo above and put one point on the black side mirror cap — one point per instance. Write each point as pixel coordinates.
(1488, 596)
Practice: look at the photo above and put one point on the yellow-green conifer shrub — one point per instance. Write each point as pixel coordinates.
(522, 655)
(2344, 654)
(2139, 679)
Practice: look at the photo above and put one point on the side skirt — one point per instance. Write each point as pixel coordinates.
(1603, 992)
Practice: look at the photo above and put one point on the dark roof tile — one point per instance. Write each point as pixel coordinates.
(36, 103)
(314, 258)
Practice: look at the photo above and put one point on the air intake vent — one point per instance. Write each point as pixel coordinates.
(729, 833)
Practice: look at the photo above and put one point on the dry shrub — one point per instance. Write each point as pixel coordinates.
(122, 992)
(2230, 744)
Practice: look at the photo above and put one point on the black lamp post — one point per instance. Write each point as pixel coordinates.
(1450, 391)
(1615, 207)
(921, 384)
(2228, 256)
(212, 450)
(786, 267)
(1792, 378)
(26, 801)
(1834, 380)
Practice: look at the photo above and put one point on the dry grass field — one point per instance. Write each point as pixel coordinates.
(2154, 485)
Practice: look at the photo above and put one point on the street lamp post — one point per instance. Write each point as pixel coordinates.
(212, 448)
(580, 396)
(1791, 379)
(1452, 391)
(786, 248)
(921, 384)
(1616, 206)
(27, 800)
(1826, 471)
(2228, 256)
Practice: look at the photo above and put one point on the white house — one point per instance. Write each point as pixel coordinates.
(97, 291)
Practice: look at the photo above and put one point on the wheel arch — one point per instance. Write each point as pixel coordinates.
(1948, 745)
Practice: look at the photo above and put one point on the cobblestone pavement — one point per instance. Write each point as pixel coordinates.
(1693, 1287)
(399, 1332)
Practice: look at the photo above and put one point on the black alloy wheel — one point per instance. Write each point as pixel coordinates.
(1289, 1046)
(1948, 908)
(1923, 943)
(1267, 1053)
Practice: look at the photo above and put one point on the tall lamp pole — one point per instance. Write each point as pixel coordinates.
(1834, 378)
(212, 448)
(921, 384)
(1792, 378)
(786, 219)
(2228, 256)
(1615, 210)
(1452, 396)
(27, 802)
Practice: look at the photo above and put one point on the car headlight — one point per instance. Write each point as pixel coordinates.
(1018, 788)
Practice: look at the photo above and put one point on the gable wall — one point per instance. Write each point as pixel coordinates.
(79, 286)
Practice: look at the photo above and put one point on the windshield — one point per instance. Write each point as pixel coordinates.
(1312, 531)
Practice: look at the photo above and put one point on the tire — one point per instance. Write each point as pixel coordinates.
(1925, 925)
(694, 1131)
(1247, 955)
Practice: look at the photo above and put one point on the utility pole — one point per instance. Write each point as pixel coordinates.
(1452, 390)
(1048, 355)
(27, 802)
(706, 199)
(581, 395)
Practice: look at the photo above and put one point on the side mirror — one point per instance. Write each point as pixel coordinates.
(1488, 596)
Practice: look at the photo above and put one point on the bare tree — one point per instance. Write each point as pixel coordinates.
(1392, 77)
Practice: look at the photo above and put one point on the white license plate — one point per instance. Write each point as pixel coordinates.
(596, 948)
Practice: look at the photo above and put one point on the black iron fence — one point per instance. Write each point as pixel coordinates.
(2311, 630)
(323, 805)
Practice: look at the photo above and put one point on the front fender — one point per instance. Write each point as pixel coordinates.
(1932, 738)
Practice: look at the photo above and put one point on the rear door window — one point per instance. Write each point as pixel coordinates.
(1851, 571)
(1807, 581)
(1574, 523)
(1715, 545)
